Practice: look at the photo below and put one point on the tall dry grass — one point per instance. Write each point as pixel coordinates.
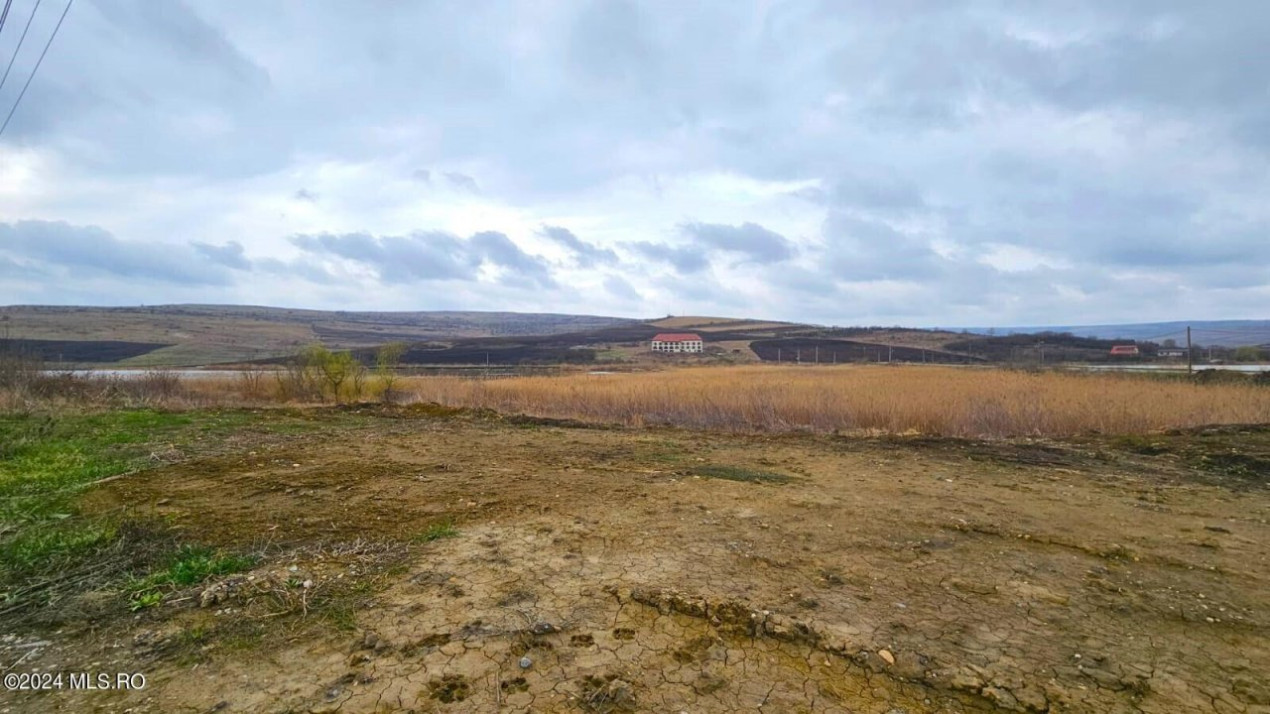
(912, 399)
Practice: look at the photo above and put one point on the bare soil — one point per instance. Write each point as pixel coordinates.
(659, 570)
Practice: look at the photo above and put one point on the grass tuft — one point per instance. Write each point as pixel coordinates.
(437, 531)
(191, 565)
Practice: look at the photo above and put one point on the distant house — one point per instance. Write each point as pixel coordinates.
(1125, 351)
(678, 342)
(1170, 352)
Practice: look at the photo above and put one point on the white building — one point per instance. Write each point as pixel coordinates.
(678, 342)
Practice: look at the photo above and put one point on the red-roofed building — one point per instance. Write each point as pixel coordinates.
(1125, 351)
(678, 342)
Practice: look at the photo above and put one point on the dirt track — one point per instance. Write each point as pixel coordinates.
(882, 577)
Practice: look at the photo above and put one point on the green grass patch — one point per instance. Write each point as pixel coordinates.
(51, 548)
(1140, 444)
(739, 473)
(437, 531)
(191, 565)
(46, 461)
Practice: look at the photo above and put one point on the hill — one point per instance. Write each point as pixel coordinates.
(188, 335)
(197, 335)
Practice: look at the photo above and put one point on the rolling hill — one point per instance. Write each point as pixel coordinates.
(202, 335)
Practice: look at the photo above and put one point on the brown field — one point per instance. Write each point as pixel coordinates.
(667, 570)
(942, 401)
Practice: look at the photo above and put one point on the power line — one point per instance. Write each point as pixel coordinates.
(36, 68)
(20, 40)
(4, 15)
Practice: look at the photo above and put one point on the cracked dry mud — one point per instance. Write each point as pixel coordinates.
(881, 578)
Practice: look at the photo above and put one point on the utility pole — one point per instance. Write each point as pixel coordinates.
(1190, 356)
(888, 354)
(778, 355)
(817, 354)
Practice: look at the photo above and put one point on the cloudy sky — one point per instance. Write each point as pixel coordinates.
(906, 162)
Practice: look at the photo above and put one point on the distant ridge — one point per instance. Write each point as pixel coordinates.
(1223, 333)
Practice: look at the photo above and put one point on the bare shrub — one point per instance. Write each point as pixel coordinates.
(251, 381)
(154, 387)
(298, 380)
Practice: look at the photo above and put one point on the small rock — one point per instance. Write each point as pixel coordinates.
(307, 584)
(525, 663)
(370, 640)
(887, 656)
(213, 595)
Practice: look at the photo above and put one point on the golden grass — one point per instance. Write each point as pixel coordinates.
(862, 399)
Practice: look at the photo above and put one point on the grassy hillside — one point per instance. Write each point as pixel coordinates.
(186, 335)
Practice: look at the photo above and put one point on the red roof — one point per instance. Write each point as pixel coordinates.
(677, 337)
(1124, 350)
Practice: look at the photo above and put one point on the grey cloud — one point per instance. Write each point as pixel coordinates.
(619, 288)
(305, 194)
(302, 268)
(400, 259)
(871, 250)
(750, 239)
(685, 260)
(463, 181)
(878, 194)
(431, 255)
(522, 268)
(230, 255)
(586, 254)
(90, 250)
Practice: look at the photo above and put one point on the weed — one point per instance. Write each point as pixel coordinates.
(145, 600)
(341, 615)
(437, 531)
(191, 565)
(193, 635)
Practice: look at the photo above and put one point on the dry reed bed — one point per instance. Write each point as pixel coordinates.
(912, 399)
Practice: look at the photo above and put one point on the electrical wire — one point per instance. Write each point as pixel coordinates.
(20, 41)
(36, 68)
(5, 15)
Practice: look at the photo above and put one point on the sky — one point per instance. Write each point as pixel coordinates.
(846, 163)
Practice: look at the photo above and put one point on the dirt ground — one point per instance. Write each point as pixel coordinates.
(626, 570)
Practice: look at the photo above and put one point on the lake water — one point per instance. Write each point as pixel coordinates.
(1174, 367)
(137, 373)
